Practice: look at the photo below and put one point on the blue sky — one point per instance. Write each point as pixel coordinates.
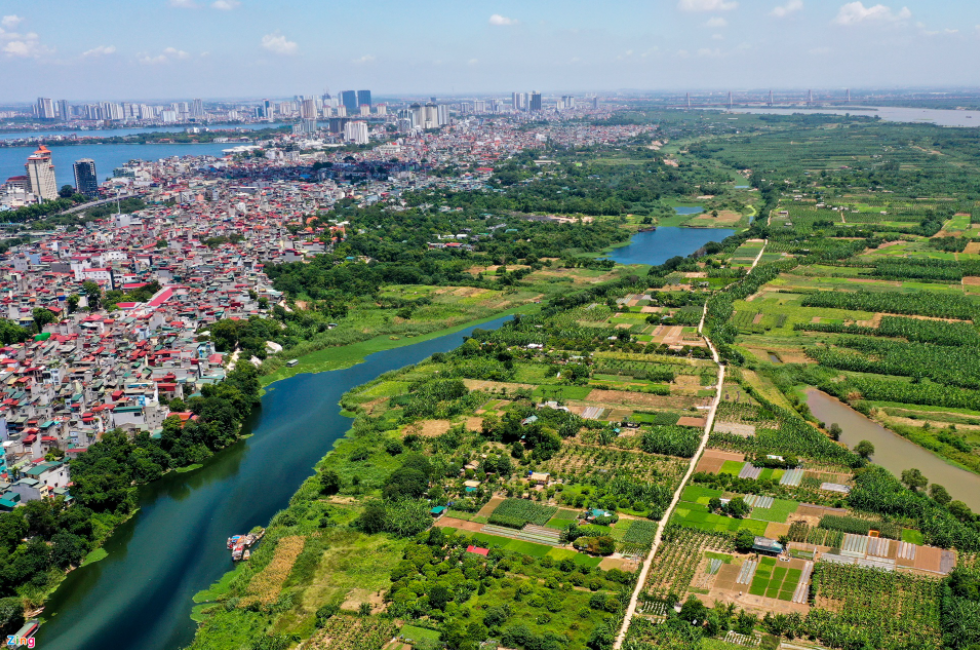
(155, 49)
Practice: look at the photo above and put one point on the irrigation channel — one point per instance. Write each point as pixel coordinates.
(892, 451)
(140, 596)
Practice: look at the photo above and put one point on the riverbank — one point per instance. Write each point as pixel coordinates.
(134, 599)
(341, 357)
(894, 451)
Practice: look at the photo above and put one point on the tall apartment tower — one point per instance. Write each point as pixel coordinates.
(40, 174)
(348, 98)
(45, 108)
(197, 108)
(307, 109)
(86, 180)
(535, 102)
(64, 110)
(364, 98)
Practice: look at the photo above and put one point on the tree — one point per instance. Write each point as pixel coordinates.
(11, 332)
(835, 431)
(738, 508)
(373, 519)
(960, 510)
(864, 449)
(42, 317)
(939, 494)
(72, 303)
(693, 610)
(714, 504)
(66, 191)
(744, 541)
(913, 479)
(438, 597)
(11, 614)
(329, 482)
(67, 550)
(405, 482)
(94, 294)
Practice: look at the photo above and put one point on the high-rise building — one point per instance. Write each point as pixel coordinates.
(86, 180)
(308, 109)
(64, 110)
(442, 114)
(364, 97)
(197, 108)
(45, 108)
(535, 103)
(365, 110)
(356, 132)
(270, 108)
(427, 117)
(40, 174)
(348, 99)
(381, 109)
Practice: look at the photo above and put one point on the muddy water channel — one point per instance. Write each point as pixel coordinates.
(892, 451)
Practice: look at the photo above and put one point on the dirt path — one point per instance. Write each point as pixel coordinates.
(658, 539)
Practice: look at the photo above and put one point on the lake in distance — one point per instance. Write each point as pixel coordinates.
(657, 246)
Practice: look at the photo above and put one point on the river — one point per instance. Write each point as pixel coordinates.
(133, 130)
(939, 117)
(139, 597)
(892, 451)
(107, 157)
(657, 246)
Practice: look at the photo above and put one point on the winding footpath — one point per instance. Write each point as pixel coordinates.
(658, 538)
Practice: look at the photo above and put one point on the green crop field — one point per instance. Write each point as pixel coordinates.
(774, 581)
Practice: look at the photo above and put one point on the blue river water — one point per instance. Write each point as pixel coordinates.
(658, 246)
(140, 596)
(106, 156)
(108, 133)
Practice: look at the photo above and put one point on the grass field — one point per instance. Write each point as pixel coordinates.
(779, 512)
(694, 515)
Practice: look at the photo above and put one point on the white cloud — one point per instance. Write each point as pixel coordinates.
(183, 4)
(790, 7)
(473, 61)
(854, 13)
(10, 22)
(716, 22)
(169, 54)
(279, 44)
(709, 53)
(367, 58)
(717, 37)
(707, 5)
(501, 21)
(226, 5)
(99, 51)
(820, 51)
(23, 46)
(175, 53)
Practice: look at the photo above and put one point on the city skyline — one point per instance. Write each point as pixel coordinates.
(252, 48)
